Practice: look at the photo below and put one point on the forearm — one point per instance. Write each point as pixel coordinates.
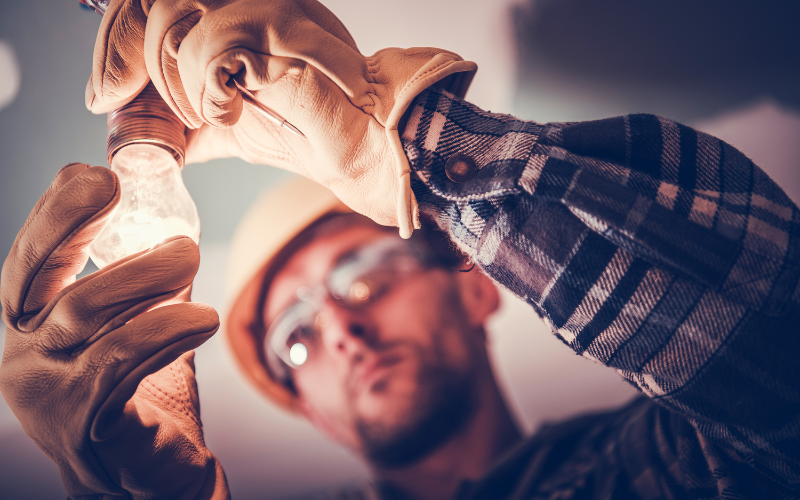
(655, 249)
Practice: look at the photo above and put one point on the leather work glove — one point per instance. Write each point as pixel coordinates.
(98, 377)
(296, 57)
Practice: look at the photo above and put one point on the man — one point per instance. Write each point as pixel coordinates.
(647, 246)
(399, 373)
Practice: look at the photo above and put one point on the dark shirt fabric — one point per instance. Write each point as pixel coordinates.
(642, 451)
(655, 249)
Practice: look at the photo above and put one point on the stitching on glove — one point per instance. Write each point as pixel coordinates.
(177, 379)
(420, 76)
(157, 392)
(180, 383)
(158, 395)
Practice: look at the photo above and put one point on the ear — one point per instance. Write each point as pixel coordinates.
(479, 296)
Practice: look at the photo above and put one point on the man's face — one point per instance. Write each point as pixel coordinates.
(395, 378)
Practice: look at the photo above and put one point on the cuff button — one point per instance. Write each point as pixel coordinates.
(460, 168)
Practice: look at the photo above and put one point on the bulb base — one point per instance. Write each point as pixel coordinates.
(146, 120)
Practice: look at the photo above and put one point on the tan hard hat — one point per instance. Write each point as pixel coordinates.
(274, 220)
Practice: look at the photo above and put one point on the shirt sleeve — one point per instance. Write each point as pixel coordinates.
(648, 246)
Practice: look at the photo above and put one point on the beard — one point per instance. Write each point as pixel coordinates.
(444, 404)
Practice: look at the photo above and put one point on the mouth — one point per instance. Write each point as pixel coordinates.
(373, 371)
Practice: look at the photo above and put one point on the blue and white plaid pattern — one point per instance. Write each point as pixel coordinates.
(648, 246)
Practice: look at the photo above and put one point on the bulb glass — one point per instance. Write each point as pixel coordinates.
(154, 205)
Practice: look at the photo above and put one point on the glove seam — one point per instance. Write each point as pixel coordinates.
(180, 381)
(162, 396)
(420, 76)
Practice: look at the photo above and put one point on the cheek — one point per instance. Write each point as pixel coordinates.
(429, 314)
(320, 387)
(323, 392)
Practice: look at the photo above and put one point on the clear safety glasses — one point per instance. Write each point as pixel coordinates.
(357, 280)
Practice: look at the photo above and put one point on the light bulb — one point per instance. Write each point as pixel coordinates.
(146, 145)
(154, 205)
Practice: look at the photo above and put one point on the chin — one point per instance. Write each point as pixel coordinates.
(386, 401)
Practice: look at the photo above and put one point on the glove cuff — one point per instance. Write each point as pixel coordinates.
(446, 71)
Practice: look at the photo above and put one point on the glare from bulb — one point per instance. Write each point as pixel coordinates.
(154, 205)
(298, 354)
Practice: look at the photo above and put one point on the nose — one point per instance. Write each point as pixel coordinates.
(345, 332)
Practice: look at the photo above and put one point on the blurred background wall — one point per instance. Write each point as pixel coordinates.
(728, 67)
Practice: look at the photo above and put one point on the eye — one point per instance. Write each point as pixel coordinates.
(301, 334)
(298, 343)
(291, 339)
(360, 292)
(370, 287)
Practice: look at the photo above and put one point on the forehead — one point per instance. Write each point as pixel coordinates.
(310, 263)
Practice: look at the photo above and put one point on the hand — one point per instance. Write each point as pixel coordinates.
(298, 59)
(101, 379)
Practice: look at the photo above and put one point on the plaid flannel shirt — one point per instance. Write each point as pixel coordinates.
(655, 249)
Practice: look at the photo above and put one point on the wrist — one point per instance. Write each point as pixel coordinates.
(461, 156)
(461, 151)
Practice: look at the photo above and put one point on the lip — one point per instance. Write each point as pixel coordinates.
(369, 371)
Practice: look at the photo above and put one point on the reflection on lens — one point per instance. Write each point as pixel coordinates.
(298, 354)
(359, 292)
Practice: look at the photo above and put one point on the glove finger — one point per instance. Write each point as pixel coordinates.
(124, 357)
(97, 304)
(118, 69)
(166, 76)
(62, 177)
(52, 247)
(180, 60)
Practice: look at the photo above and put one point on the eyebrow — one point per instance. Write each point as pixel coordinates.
(347, 256)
